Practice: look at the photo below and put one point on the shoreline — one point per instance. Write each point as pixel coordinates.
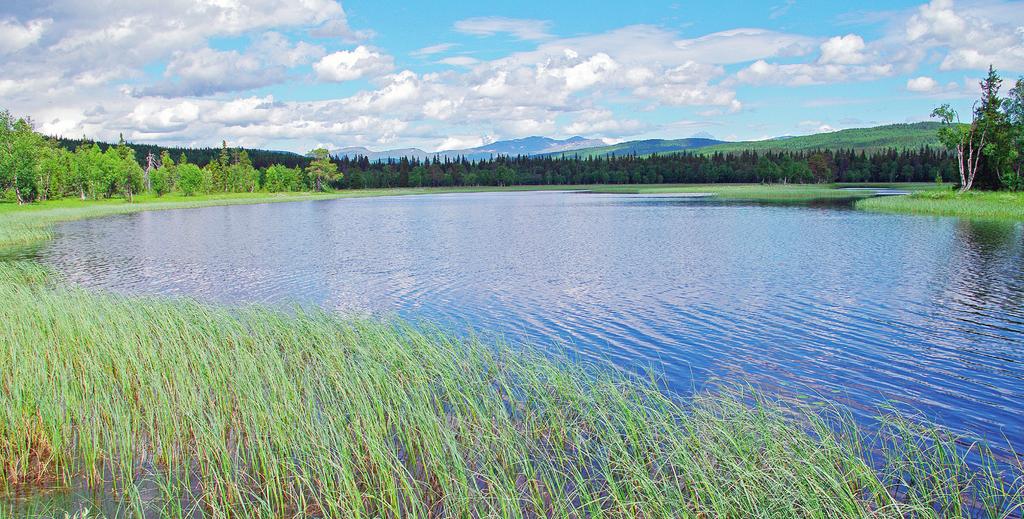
(982, 205)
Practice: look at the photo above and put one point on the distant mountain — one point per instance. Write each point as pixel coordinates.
(530, 146)
(359, 151)
(645, 147)
(899, 136)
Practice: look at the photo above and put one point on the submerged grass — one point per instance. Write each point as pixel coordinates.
(180, 409)
(973, 204)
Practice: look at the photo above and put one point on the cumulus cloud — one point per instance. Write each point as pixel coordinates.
(490, 25)
(347, 65)
(586, 73)
(243, 112)
(972, 38)
(922, 84)
(462, 142)
(154, 118)
(843, 50)
(15, 36)
(803, 74)
(603, 122)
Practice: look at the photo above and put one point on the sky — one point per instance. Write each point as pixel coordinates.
(299, 74)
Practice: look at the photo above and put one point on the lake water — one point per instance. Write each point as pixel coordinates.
(863, 308)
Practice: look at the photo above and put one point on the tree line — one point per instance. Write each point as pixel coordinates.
(920, 165)
(36, 168)
(990, 149)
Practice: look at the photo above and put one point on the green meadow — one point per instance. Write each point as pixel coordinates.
(1001, 205)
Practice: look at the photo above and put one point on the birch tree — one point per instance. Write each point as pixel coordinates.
(967, 140)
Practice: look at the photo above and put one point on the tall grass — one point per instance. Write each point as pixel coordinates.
(256, 413)
(973, 204)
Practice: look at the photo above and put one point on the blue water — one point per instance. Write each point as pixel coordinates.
(925, 313)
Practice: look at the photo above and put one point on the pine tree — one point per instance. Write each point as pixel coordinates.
(322, 168)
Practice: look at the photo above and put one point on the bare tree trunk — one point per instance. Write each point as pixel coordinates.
(960, 166)
(969, 167)
(976, 153)
(151, 164)
(17, 192)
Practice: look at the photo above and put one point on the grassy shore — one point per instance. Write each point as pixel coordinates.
(763, 192)
(177, 408)
(973, 204)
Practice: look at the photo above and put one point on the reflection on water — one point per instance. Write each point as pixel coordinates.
(860, 307)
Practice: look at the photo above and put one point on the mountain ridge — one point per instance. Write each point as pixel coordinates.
(874, 138)
(531, 146)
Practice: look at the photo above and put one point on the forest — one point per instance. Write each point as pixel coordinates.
(826, 166)
(990, 148)
(37, 168)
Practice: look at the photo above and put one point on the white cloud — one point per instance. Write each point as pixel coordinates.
(277, 49)
(433, 49)
(490, 25)
(15, 36)
(603, 122)
(459, 61)
(348, 65)
(974, 38)
(922, 84)
(158, 118)
(815, 127)
(461, 142)
(593, 70)
(935, 19)
(209, 71)
(843, 50)
(398, 89)
(803, 74)
(689, 84)
(439, 109)
(242, 112)
(742, 45)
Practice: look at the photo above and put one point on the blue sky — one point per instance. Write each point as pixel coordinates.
(299, 74)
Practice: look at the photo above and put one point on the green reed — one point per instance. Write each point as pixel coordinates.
(974, 204)
(258, 413)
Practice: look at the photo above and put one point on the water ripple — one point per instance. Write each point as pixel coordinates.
(866, 308)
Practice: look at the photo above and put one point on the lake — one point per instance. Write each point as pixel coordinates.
(925, 313)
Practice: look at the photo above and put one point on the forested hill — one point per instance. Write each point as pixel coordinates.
(871, 140)
(640, 148)
(199, 156)
(880, 138)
